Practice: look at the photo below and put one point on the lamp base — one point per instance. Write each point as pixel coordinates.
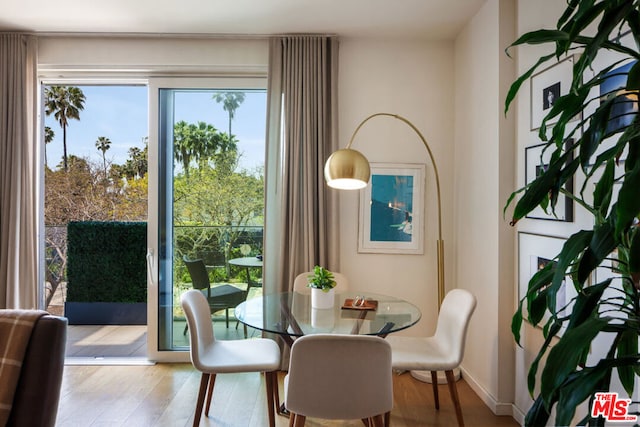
(425, 376)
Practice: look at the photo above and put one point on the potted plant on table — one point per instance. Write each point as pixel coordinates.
(321, 283)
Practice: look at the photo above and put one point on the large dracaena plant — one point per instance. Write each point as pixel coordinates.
(587, 28)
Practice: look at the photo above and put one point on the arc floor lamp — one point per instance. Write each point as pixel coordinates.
(348, 169)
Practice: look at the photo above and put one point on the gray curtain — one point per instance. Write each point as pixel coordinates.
(19, 208)
(301, 220)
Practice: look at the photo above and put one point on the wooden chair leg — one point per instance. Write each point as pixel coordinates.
(387, 419)
(300, 420)
(276, 392)
(212, 381)
(204, 380)
(377, 421)
(453, 390)
(270, 382)
(434, 384)
(292, 419)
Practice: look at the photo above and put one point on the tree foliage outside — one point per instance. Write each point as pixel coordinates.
(65, 103)
(215, 204)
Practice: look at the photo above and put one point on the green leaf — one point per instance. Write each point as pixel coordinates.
(633, 78)
(601, 245)
(576, 390)
(538, 306)
(628, 204)
(566, 354)
(586, 303)
(538, 415)
(571, 250)
(515, 87)
(627, 346)
(539, 189)
(533, 369)
(516, 323)
(634, 254)
(604, 189)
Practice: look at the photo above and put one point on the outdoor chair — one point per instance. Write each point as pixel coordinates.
(221, 297)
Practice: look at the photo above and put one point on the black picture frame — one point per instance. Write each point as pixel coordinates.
(536, 159)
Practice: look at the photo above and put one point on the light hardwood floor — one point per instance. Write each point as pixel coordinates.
(165, 394)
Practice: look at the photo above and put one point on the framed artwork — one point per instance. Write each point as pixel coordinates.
(547, 86)
(624, 109)
(537, 161)
(535, 251)
(391, 210)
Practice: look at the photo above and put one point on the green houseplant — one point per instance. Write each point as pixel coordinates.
(567, 378)
(321, 279)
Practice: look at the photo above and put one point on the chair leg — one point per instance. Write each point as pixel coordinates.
(434, 384)
(387, 419)
(453, 390)
(297, 420)
(200, 402)
(377, 421)
(212, 381)
(271, 391)
(226, 314)
(276, 392)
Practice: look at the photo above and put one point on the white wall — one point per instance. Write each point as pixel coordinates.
(414, 79)
(484, 177)
(145, 56)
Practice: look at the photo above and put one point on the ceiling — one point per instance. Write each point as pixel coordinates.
(430, 19)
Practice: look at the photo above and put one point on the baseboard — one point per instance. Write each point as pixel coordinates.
(106, 361)
(498, 408)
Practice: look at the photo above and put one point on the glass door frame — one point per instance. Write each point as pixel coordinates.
(160, 117)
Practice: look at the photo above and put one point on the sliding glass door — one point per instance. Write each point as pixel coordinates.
(207, 200)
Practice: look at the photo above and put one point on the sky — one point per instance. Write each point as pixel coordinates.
(120, 114)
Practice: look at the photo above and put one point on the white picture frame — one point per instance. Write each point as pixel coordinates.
(535, 251)
(392, 210)
(547, 86)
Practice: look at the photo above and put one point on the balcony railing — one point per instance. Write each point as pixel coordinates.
(216, 245)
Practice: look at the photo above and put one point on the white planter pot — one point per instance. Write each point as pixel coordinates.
(321, 299)
(322, 318)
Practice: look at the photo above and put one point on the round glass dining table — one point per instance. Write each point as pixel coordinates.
(290, 314)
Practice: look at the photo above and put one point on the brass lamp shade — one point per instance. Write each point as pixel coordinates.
(347, 169)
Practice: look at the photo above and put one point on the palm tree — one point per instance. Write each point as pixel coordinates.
(65, 103)
(103, 144)
(230, 103)
(48, 137)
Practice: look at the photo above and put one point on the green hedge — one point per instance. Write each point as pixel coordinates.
(106, 262)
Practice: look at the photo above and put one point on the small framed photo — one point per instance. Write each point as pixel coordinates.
(536, 162)
(547, 86)
(535, 251)
(391, 210)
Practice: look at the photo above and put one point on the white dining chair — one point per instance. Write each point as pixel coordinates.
(339, 377)
(302, 279)
(441, 352)
(212, 357)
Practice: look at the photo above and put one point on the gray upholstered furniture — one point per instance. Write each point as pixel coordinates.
(36, 397)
